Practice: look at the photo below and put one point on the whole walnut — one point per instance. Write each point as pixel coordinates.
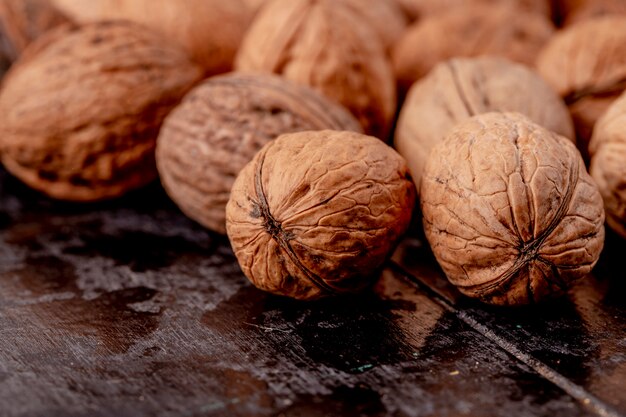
(210, 30)
(21, 22)
(585, 64)
(421, 8)
(580, 10)
(509, 210)
(458, 89)
(466, 32)
(79, 118)
(317, 213)
(325, 45)
(608, 163)
(219, 127)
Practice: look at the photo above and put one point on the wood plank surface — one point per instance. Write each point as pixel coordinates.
(130, 309)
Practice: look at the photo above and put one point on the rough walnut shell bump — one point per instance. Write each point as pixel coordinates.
(470, 31)
(608, 163)
(325, 45)
(317, 213)
(458, 89)
(79, 118)
(220, 126)
(509, 210)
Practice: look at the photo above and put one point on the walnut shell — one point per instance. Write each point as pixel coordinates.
(470, 31)
(317, 213)
(220, 126)
(458, 89)
(509, 210)
(210, 30)
(421, 8)
(608, 163)
(585, 64)
(23, 21)
(324, 44)
(79, 119)
(581, 10)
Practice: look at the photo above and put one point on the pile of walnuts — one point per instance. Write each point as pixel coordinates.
(269, 120)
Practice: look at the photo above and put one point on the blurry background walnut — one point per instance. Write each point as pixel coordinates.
(317, 213)
(422, 8)
(466, 32)
(585, 64)
(326, 45)
(509, 210)
(574, 11)
(221, 125)
(79, 119)
(608, 163)
(21, 22)
(458, 89)
(210, 30)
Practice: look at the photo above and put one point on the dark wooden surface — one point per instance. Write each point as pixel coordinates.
(129, 309)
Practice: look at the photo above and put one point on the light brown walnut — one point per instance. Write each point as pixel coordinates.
(608, 163)
(458, 89)
(325, 45)
(222, 124)
(467, 32)
(419, 9)
(318, 213)
(79, 118)
(586, 64)
(210, 30)
(509, 210)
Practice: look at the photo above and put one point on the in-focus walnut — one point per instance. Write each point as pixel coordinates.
(585, 64)
(608, 163)
(458, 89)
(317, 213)
(422, 8)
(580, 10)
(220, 126)
(210, 30)
(79, 118)
(21, 22)
(324, 44)
(510, 211)
(466, 32)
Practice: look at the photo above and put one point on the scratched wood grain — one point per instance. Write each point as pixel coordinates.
(129, 309)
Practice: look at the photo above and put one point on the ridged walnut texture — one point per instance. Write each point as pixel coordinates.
(419, 9)
(458, 89)
(325, 45)
(509, 210)
(586, 64)
(317, 213)
(608, 163)
(466, 32)
(222, 124)
(79, 118)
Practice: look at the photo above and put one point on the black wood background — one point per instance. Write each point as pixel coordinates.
(129, 309)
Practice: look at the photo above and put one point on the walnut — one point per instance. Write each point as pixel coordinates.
(509, 210)
(79, 119)
(581, 10)
(470, 31)
(219, 128)
(585, 64)
(458, 89)
(21, 22)
(422, 8)
(317, 213)
(210, 30)
(324, 44)
(608, 163)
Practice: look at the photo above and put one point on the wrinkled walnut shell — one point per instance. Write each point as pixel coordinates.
(608, 163)
(509, 210)
(210, 30)
(585, 64)
(325, 45)
(79, 118)
(458, 89)
(466, 32)
(317, 213)
(220, 126)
